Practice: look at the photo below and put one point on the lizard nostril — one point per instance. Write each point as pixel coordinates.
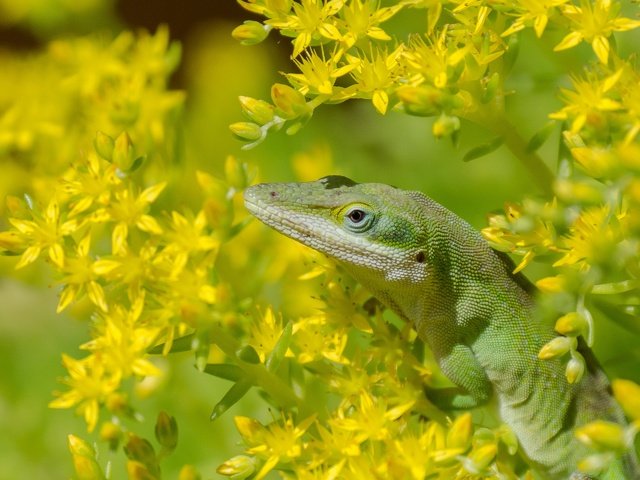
(273, 194)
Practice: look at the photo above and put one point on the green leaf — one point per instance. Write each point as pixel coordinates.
(248, 354)
(282, 345)
(182, 344)
(482, 150)
(224, 370)
(235, 393)
(538, 139)
(617, 287)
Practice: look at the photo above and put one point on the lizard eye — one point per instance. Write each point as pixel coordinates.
(358, 219)
(356, 215)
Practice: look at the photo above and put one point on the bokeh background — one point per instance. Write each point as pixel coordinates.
(350, 139)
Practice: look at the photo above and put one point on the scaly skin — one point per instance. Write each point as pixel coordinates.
(434, 270)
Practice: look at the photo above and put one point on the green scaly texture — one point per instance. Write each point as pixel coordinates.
(433, 269)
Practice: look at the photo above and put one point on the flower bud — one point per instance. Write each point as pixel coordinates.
(140, 450)
(111, 433)
(575, 368)
(602, 435)
(104, 145)
(571, 324)
(259, 111)
(422, 101)
(459, 434)
(554, 284)
(246, 131)
(555, 348)
(123, 154)
(290, 102)
(445, 125)
(250, 32)
(84, 462)
(167, 431)
(480, 458)
(238, 467)
(628, 395)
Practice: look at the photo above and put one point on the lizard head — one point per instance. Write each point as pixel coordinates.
(373, 229)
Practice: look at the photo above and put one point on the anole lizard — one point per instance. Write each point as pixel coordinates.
(433, 269)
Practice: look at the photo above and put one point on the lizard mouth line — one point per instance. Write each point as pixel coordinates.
(324, 240)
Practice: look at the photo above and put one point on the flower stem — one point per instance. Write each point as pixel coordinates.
(495, 120)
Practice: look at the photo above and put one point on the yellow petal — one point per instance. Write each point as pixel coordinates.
(600, 46)
(67, 296)
(570, 41)
(29, 256)
(380, 100)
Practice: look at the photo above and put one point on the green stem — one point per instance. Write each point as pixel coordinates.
(269, 382)
(494, 119)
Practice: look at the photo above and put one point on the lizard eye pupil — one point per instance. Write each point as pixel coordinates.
(356, 215)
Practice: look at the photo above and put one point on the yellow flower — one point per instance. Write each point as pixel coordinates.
(534, 13)
(591, 237)
(79, 277)
(265, 332)
(90, 384)
(188, 237)
(594, 22)
(314, 339)
(375, 76)
(589, 102)
(317, 74)
(121, 339)
(361, 19)
(128, 209)
(46, 231)
(90, 182)
(311, 20)
(278, 442)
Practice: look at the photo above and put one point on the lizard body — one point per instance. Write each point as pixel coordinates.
(433, 269)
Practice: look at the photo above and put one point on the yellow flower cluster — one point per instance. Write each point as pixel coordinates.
(374, 376)
(455, 70)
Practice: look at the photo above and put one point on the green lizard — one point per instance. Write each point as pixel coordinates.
(433, 269)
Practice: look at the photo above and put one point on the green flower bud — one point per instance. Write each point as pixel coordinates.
(139, 471)
(491, 88)
(571, 324)
(422, 101)
(123, 154)
(140, 451)
(290, 102)
(246, 131)
(84, 462)
(250, 32)
(104, 145)
(480, 458)
(575, 368)
(445, 125)
(238, 468)
(259, 111)
(167, 431)
(111, 433)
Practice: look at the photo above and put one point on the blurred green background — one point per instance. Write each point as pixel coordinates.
(350, 139)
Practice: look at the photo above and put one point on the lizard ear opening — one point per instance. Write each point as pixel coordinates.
(420, 257)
